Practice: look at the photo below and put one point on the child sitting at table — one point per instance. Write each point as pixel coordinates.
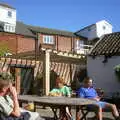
(62, 90)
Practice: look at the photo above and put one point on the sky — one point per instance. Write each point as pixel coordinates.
(70, 15)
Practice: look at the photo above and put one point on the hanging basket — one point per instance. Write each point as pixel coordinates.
(117, 68)
(117, 71)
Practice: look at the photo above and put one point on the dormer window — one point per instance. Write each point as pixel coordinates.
(9, 14)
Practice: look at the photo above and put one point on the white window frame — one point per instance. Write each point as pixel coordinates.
(79, 44)
(47, 39)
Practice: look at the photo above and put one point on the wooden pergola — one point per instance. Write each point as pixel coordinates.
(48, 56)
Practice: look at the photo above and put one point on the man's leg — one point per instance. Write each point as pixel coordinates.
(99, 113)
(78, 112)
(114, 109)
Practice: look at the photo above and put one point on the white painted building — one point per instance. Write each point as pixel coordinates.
(7, 18)
(101, 63)
(95, 30)
(103, 74)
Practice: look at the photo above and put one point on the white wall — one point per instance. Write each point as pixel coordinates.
(96, 30)
(4, 15)
(103, 27)
(89, 32)
(103, 74)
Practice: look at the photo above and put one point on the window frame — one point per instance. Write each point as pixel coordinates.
(79, 44)
(9, 14)
(48, 39)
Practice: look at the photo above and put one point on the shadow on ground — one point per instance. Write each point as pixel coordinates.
(48, 118)
(105, 118)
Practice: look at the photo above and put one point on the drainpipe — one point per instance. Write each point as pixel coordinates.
(16, 51)
(36, 46)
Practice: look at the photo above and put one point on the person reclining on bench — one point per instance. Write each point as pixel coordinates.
(9, 105)
(87, 91)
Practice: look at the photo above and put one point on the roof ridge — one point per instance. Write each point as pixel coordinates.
(6, 5)
(48, 28)
(112, 33)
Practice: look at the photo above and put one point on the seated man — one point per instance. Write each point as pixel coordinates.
(9, 106)
(87, 91)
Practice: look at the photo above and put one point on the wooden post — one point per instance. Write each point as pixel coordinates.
(47, 72)
(17, 79)
(70, 72)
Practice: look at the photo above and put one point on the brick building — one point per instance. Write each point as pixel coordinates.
(32, 39)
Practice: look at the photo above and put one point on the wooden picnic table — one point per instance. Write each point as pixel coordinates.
(55, 102)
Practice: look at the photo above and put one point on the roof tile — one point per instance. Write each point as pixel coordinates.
(108, 45)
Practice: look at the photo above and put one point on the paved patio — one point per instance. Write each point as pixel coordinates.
(47, 113)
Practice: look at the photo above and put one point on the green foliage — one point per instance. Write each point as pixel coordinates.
(6, 76)
(3, 49)
(39, 76)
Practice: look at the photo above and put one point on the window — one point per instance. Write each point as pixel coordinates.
(7, 28)
(12, 29)
(104, 27)
(48, 39)
(89, 29)
(79, 44)
(9, 14)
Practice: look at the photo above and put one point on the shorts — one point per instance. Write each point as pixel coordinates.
(101, 104)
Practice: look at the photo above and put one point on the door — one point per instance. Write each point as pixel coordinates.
(27, 79)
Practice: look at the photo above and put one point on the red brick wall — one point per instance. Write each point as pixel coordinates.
(17, 43)
(25, 44)
(9, 40)
(63, 43)
(40, 41)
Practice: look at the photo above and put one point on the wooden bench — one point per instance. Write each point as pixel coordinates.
(86, 110)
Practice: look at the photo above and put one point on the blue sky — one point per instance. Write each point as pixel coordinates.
(70, 15)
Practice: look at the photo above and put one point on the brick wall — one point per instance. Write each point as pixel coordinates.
(20, 43)
(9, 41)
(40, 41)
(17, 43)
(63, 43)
(25, 44)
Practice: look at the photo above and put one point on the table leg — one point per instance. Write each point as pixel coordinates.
(55, 113)
(78, 114)
(34, 107)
